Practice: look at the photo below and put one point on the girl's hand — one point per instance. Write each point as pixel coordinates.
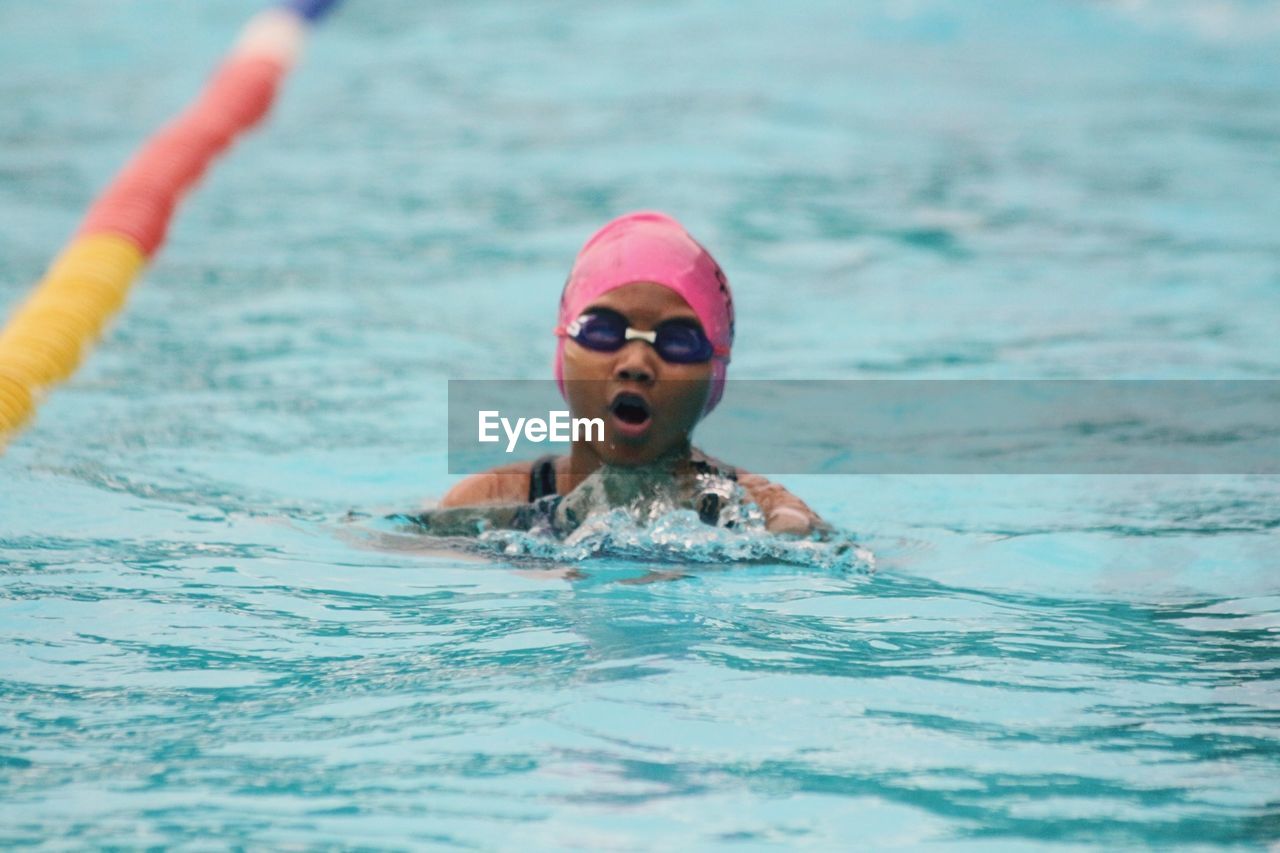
(783, 511)
(789, 519)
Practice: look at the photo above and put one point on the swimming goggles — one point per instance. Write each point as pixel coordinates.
(677, 341)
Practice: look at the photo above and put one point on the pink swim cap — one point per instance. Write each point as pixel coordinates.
(648, 246)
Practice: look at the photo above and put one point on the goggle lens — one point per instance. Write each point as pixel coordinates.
(676, 341)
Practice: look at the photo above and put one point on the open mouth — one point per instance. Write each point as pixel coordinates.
(631, 413)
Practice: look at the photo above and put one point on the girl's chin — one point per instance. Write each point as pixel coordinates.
(634, 453)
(628, 455)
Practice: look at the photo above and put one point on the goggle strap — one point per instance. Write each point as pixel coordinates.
(637, 335)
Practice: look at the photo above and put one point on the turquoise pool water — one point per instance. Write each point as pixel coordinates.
(197, 648)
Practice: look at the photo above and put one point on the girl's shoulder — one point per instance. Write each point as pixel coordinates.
(505, 484)
(783, 511)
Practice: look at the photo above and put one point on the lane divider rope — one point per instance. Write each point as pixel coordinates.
(48, 334)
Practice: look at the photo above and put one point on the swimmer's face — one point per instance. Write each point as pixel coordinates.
(649, 406)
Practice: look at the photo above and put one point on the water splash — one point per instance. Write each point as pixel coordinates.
(638, 514)
(677, 536)
(680, 536)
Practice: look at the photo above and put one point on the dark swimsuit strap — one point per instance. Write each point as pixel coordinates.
(542, 478)
(707, 466)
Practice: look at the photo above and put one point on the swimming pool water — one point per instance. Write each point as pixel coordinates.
(196, 646)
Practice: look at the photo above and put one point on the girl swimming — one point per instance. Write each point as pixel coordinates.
(645, 332)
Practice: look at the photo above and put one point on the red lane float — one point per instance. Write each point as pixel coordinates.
(47, 335)
(141, 200)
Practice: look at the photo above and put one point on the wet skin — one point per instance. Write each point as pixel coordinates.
(675, 394)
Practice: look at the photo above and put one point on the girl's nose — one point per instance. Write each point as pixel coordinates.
(635, 363)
